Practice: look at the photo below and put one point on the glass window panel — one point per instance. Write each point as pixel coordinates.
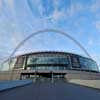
(48, 60)
(88, 64)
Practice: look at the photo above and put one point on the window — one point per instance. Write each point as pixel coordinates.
(47, 60)
(75, 62)
(88, 64)
(49, 63)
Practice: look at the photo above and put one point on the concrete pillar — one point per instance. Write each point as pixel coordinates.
(52, 77)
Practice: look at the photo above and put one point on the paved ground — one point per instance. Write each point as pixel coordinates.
(51, 91)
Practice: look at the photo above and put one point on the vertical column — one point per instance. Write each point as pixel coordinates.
(52, 77)
(25, 63)
(70, 61)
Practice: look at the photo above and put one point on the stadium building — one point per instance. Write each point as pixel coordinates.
(47, 63)
(54, 61)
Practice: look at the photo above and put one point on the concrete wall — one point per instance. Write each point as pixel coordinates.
(87, 83)
(8, 75)
(70, 74)
(82, 75)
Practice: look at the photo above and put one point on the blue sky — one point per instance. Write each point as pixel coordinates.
(79, 18)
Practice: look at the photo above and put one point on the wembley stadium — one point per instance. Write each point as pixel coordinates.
(48, 63)
(52, 60)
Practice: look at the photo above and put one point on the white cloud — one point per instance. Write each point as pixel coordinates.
(64, 13)
(57, 15)
(39, 6)
(97, 24)
(0, 3)
(10, 3)
(74, 8)
(71, 11)
(90, 42)
(17, 35)
(95, 6)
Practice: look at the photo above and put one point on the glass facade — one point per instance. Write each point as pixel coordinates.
(75, 62)
(53, 61)
(47, 60)
(88, 64)
(47, 63)
(47, 68)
